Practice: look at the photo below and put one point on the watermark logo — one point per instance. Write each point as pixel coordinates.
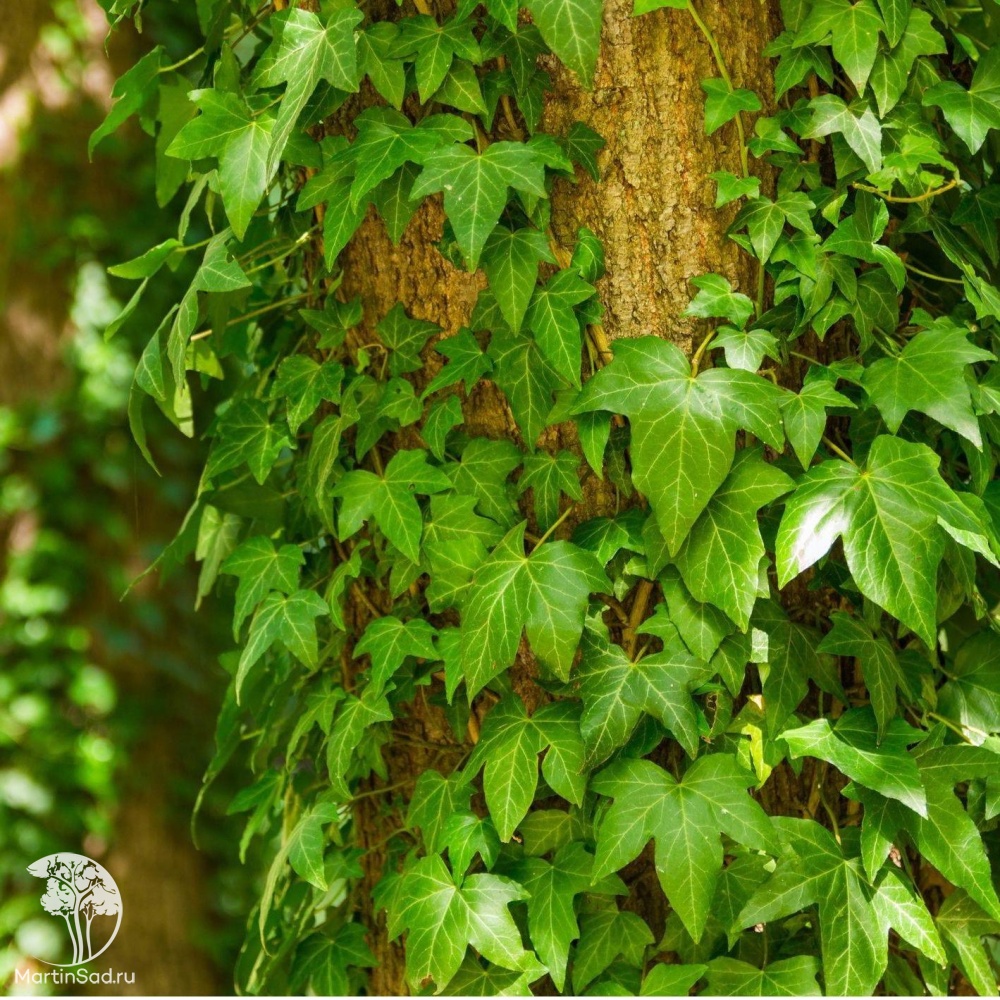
(85, 895)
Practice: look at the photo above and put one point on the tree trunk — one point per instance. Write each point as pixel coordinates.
(653, 210)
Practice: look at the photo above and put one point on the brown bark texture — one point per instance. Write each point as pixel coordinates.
(653, 210)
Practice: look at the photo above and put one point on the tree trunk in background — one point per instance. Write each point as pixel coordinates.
(653, 210)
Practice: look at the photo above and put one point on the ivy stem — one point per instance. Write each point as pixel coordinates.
(253, 315)
(932, 276)
(636, 615)
(182, 62)
(548, 534)
(700, 353)
(837, 450)
(914, 200)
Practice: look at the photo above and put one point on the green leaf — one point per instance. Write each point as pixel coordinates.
(604, 936)
(669, 980)
(554, 323)
(899, 906)
(390, 499)
(873, 756)
(856, 122)
(852, 29)
(877, 657)
(146, 264)
(716, 298)
(435, 47)
(550, 476)
(553, 888)
(572, 29)
(305, 51)
(616, 691)
(892, 516)
(405, 338)
(681, 424)
(475, 187)
(813, 869)
(130, 94)
(929, 376)
(527, 380)
(246, 434)
(969, 698)
(261, 568)
(434, 801)
(544, 594)
(804, 412)
(723, 103)
(788, 977)
(388, 642)
(721, 555)
(467, 362)
(685, 818)
(892, 69)
(351, 728)
(973, 112)
(746, 348)
(510, 261)
(305, 384)
(442, 918)
(289, 620)
(963, 925)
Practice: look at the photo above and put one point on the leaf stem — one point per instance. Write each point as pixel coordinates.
(562, 517)
(932, 276)
(914, 200)
(700, 353)
(837, 450)
(253, 315)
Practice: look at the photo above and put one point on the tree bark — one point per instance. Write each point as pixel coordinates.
(653, 210)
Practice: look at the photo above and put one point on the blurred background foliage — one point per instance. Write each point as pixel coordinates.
(106, 704)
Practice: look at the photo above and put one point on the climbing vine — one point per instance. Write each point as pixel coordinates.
(475, 699)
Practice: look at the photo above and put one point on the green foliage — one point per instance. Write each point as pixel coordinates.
(791, 588)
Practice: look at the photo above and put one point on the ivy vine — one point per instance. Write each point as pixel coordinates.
(797, 574)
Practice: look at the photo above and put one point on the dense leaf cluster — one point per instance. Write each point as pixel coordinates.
(796, 577)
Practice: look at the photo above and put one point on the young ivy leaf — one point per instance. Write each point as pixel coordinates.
(475, 187)
(857, 123)
(246, 434)
(434, 47)
(388, 642)
(391, 499)
(604, 935)
(683, 427)
(261, 568)
(892, 69)
(405, 337)
(290, 620)
(788, 977)
(554, 323)
(550, 476)
(685, 818)
(305, 51)
(723, 104)
(304, 384)
(527, 380)
(544, 594)
(852, 29)
(893, 517)
(467, 362)
(572, 30)
(804, 412)
(442, 918)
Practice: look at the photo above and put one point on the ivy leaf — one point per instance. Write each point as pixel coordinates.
(467, 362)
(721, 556)
(729, 187)
(550, 476)
(388, 642)
(716, 298)
(544, 594)
(475, 187)
(553, 888)
(973, 112)
(899, 906)
(892, 69)
(896, 14)
(970, 696)
(788, 977)
(871, 755)
(483, 473)
(386, 140)
(804, 412)
(616, 691)
(527, 380)
(240, 140)
(555, 324)
(879, 664)
(260, 569)
(681, 424)
(723, 104)
(305, 384)
(813, 869)
(353, 725)
(467, 835)
(509, 747)
(852, 29)
(290, 620)
(669, 980)
(434, 801)
(746, 348)
(856, 122)
(390, 499)
(685, 818)
(305, 51)
(131, 92)
(572, 29)
(435, 47)
(604, 935)
(928, 376)
(442, 918)
(510, 261)
(892, 516)
(405, 337)
(246, 434)
(963, 926)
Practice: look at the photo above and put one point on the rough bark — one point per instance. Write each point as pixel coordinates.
(653, 210)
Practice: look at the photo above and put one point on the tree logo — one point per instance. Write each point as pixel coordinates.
(82, 892)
